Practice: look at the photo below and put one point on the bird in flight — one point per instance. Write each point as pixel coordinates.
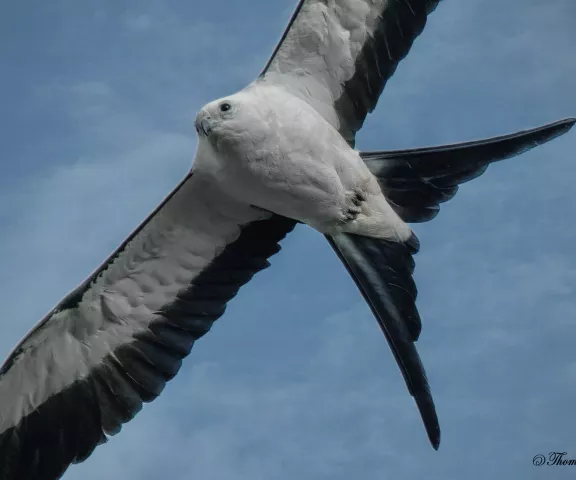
(277, 153)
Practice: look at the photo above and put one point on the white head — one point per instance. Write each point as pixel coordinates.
(243, 120)
(236, 118)
(214, 114)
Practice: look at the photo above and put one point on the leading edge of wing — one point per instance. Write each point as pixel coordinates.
(283, 37)
(75, 382)
(339, 57)
(73, 297)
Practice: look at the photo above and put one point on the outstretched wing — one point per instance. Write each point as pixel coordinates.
(416, 181)
(115, 341)
(338, 54)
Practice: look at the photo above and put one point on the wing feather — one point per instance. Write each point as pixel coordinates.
(115, 341)
(338, 55)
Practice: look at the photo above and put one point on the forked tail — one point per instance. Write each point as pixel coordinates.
(415, 182)
(382, 270)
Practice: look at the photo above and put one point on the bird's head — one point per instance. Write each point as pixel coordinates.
(233, 119)
(215, 116)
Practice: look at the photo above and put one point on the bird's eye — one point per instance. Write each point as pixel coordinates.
(224, 107)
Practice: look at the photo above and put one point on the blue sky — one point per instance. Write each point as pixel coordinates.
(296, 381)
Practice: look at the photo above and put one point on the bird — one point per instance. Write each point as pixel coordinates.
(279, 152)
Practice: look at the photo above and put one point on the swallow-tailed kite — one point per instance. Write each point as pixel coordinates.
(278, 152)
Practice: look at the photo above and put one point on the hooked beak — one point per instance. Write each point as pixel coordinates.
(204, 126)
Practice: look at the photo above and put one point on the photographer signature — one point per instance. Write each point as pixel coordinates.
(554, 458)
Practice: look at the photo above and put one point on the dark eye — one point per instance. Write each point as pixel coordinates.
(224, 107)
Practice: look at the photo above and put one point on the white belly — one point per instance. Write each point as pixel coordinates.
(297, 165)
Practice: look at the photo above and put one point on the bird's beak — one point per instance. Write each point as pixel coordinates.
(204, 126)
